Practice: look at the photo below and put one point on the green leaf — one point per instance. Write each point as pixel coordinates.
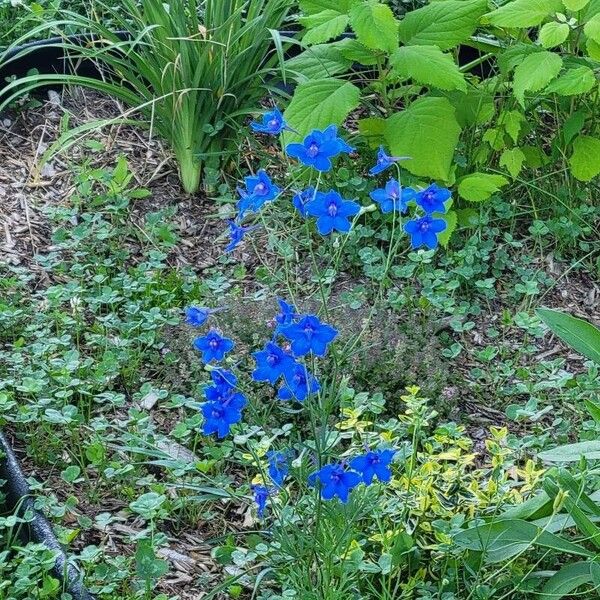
(311, 7)
(375, 25)
(428, 65)
(567, 579)
(592, 28)
(579, 80)
(319, 103)
(523, 13)
(535, 73)
(512, 121)
(473, 108)
(573, 125)
(373, 130)
(451, 219)
(593, 409)
(593, 49)
(585, 160)
(512, 160)
(480, 186)
(582, 336)
(426, 131)
(572, 452)
(575, 4)
(323, 26)
(356, 52)
(443, 24)
(318, 61)
(553, 34)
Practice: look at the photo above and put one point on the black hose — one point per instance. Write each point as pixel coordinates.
(19, 499)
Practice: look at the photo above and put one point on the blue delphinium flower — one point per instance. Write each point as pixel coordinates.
(335, 480)
(332, 212)
(259, 189)
(222, 377)
(272, 363)
(393, 197)
(261, 495)
(236, 233)
(213, 346)
(197, 316)
(318, 148)
(220, 415)
(225, 394)
(424, 231)
(301, 199)
(298, 384)
(309, 335)
(374, 463)
(432, 198)
(279, 466)
(384, 161)
(286, 315)
(273, 123)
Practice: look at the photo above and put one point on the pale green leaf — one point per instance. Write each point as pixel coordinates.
(572, 452)
(523, 13)
(575, 4)
(375, 25)
(592, 28)
(553, 34)
(566, 580)
(579, 80)
(323, 26)
(512, 160)
(318, 61)
(535, 73)
(443, 24)
(593, 49)
(428, 132)
(319, 103)
(429, 66)
(373, 130)
(451, 219)
(585, 160)
(480, 186)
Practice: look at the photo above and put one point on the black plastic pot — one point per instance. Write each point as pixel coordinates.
(19, 500)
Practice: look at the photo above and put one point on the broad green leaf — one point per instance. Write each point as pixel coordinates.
(534, 156)
(567, 580)
(318, 61)
(573, 125)
(579, 80)
(311, 7)
(553, 34)
(451, 219)
(323, 26)
(512, 122)
(572, 452)
(426, 131)
(514, 55)
(319, 103)
(480, 186)
(476, 107)
(373, 130)
(575, 4)
(429, 66)
(585, 160)
(593, 49)
(512, 160)
(592, 28)
(535, 73)
(582, 336)
(356, 52)
(593, 409)
(443, 24)
(523, 13)
(375, 25)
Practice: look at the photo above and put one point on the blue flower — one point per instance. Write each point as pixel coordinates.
(273, 123)
(222, 377)
(423, 231)
(272, 363)
(213, 346)
(318, 148)
(259, 189)
(384, 161)
(287, 314)
(236, 233)
(335, 480)
(309, 335)
(261, 495)
(301, 199)
(225, 394)
(278, 466)
(332, 212)
(393, 197)
(374, 464)
(432, 199)
(220, 415)
(298, 385)
(196, 317)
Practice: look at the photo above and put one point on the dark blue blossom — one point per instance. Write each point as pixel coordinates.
(298, 385)
(424, 231)
(374, 464)
(384, 161)
(259, 189)
(261, 495)
(332, 212)
(272, 363)
(393, 197)
(286, 315)
(213, 346)
(318, 148)
(236, 233)
(432, 199)
(279, 466)
(220, 415)
(301, 199)
(335, 480)
(222, 377)
(309, 335)
(225, 394)
(273, 123)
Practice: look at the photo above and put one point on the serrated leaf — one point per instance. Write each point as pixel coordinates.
(429, 66)
(512, 121)
(316, 6)
(356, 52)
(318, 61)
(373, 130)
(585, 160)
(553, 34)
(319, 103)
(575, 4)
(579, 80)
(592, 28)
(512, 160)
(442, 24)
(480, 186)
(323, 26)
(451, 219)
(428, 132)
(375, 25)
(535, 73)
(523, 13)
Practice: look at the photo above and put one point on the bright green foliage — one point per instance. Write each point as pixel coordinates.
(480, 186)
(578, 80)
(318, 61)
(375, 25)
(535, 72)
(592, 28)
(512, 160)
(553, 34)
(523, 13)
(324, 26)
(585, 160)
(575, 4)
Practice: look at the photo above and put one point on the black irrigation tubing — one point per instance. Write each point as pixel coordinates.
(18, 499)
